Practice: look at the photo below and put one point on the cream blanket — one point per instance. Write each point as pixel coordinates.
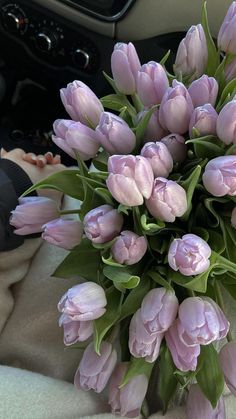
(36, 374)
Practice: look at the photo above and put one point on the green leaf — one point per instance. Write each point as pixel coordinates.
(226, 95)
(151, 228)
(167, 381)
(189, 185)
(134, 299)
(100, 161)
(124, 208)
(213, 54)
(110, 261)
(137, 366)
(104, 323)
(83, 261)
(205, 148)
(165, 58)
(142, 125)
(195, 283)
(210, 377)
(65, 181)
(110, 81)
(228, 239)
(118, 102)
(105, 195)
(208, 202)
(121, 276)
(215, 241)
(160, 280)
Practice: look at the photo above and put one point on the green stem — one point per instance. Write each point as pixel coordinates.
(75, 211)
(92, 181)
(137, 102)
(218, 260)
(220, 302)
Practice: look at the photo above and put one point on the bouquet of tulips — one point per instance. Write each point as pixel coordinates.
(154, 241)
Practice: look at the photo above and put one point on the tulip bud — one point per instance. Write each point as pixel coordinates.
(75, 330)
(189, 255)
(226, 125)
(81, 103)
(95, 370)
(203, 90)
(129, 248)
(125, 65)
(184, 356)
(130, 179)
(192, 53)
(63, 233)
(142, 343)
(152, 83)
(114, 134)
(176, 146)
(32, 213)
(167, 201)
(102, 224)
(61, 127)
(176, 109)
(154, 131)
(83, 302)
(228, 366)
(159, 309)
(233, 218)
(127, 400)
(230, 71)
(219, 176)
(159, 157)
(198, 406)
(203, 119)
(226, 37)
(201, 321)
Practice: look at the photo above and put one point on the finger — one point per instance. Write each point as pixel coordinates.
(30, 158)
(49, 157)
(57, 159)
(41, 161)
(3, 152)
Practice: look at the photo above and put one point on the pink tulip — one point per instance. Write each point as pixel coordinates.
(159, 157)
(219, 177)
(201, 321)
(129, 248)
(228, 366)
(203, 90)
(114, 134)
(152, 83)
(203, 119)
(199, 407)
(158, 310)
(95, 370)
(83, 302)
(63, 233)
(189, 255)
(226, 36)
(184, 356)
(32, 213)
(102, 224)
(75, 330)
(125, 65)
(127, 400)
(192, 53)
(167, 201)
(81, 103)
(226, 125)
(176, 108)
(61, 127)
(230, 71)
(142, 343)
(176, 146)
(130, 179)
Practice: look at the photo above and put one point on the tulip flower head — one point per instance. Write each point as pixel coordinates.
(63, 233)
(75, 330)
(226, 125)
(228, 366)
(129, 248)
(102, 224)
(204, 120)
(152, 83)
(203, 90)
(226, 36)
(199, 407)
(125, 65)
(159, 157)
(219, 177)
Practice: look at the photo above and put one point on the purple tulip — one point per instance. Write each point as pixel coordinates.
(127, 400)
(95, 370)
(184, 356)
(233, 218)
(189, 255)
(219, 177)
(226, 36)
(32, 213)
(154, 131)
(176, 108)
(159, 157)
(167, 201)
(142, 343)
(230, 71)
(226, 123)
(228, 365)
(152, 83)
(158, 310)
(203, 90)
(75, 330)
(130, 179)
(203, 119)
(176, 146)
(199, 407)
(201, 321)
(114, 134)
(63, 233)
(125, 65)
(81, 103)
(192, 53)
(61, 127)
(102, 224)
(83, 302)
(129, 248)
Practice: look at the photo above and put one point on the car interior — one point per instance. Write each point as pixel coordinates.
(46, 44)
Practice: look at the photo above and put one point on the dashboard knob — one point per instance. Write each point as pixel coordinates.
(14, 19)
(81, 58)
(46, 41)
